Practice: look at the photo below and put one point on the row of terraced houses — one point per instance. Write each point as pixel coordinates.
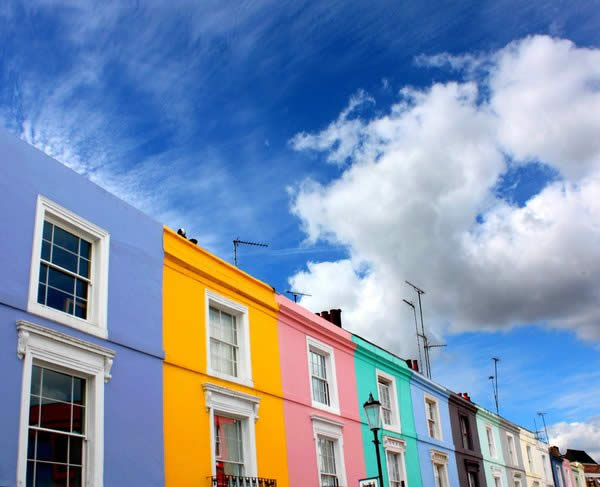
(133, 357)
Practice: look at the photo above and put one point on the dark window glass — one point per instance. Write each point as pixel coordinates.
(47, 231)
(60, 280)
(66, 240)
(56, 385)
(66, 252)
(55, 457)
(64, 259)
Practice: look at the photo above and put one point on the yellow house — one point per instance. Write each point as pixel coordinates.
(223, 408)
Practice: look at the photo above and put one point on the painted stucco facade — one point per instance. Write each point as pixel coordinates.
(578, 474)
(433, 450)
(469, 460)
(536, 460)
(196, 285)
(491, 449)
(307, 417)
(374, 364)
(511, 449)
(119, 355)
(556, 462)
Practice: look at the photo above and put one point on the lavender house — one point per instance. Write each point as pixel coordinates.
(80, 330)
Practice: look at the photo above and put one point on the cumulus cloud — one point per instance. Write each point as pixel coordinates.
(578, 436)
(416, 200)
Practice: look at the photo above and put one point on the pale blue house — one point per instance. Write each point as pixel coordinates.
(434, 433)
(80, 330)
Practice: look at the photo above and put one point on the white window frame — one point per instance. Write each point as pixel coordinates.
(530, 459)
(331, 430)
(396, 426)
(227, 402)
(517, 481)
(510, 445)
(45, 347)
(429, 398)
(240, 312)
(497, 474)
(396, 445)
(439, 458)
(489, 433)
(95, 323)
(314, 345)
(545, 466)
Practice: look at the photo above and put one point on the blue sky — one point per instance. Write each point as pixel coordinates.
(292, 123)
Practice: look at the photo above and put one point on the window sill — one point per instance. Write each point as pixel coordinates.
(393, 428)
(323, 407)
(244, 381)
(67, 320)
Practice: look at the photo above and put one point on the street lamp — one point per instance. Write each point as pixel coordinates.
(373, 411)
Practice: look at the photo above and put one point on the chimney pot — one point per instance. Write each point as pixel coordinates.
(325, 315)
(409, 363)
(416, 365)
(336, 317)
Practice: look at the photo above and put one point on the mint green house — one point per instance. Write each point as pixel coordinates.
(488, 428)
(387, 377)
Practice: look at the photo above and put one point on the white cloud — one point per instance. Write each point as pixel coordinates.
(577, 436)
(419, 176)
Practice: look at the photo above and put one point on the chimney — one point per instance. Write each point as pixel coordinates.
(409, 363)
(554, 451)
(325, 315)
(335, 316)
(415, 365)
(466, 396)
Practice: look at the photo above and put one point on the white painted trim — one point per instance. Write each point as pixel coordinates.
(435, 400)
(513, 455)
(397, 428)
(241, 313)
(328, 428)
(241, 406)
(495, 452)
(45, 347)
(440, 458)
(328, 351)
(96, 323)
(398, 446)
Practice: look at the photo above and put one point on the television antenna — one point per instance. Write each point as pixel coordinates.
(542, 414)
(412, 305)
(494, 379)
(296, 294)
(238, 242)
(426, 345)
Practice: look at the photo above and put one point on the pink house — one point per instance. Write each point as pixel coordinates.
(323, 433)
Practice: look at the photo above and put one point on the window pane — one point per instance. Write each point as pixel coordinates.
(75, 448)
(47, 231)
(78, 390)
(66, 239)
(55, 415)
(74, 476)
(49, 475)
(84, 268)
(45, 250)
(34, 410)
(43, 273)
(41, 294)
(78, 419)
(59, 300)
(30, 468)
(85, 249)
(64, 259)
(56, 385)
(36, 379)
(61, 281)
(80, 308)
(52, 447)
(31, 444)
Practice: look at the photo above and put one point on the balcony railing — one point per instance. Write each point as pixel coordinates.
(234, 481)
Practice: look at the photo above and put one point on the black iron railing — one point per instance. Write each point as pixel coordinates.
(234, 481)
